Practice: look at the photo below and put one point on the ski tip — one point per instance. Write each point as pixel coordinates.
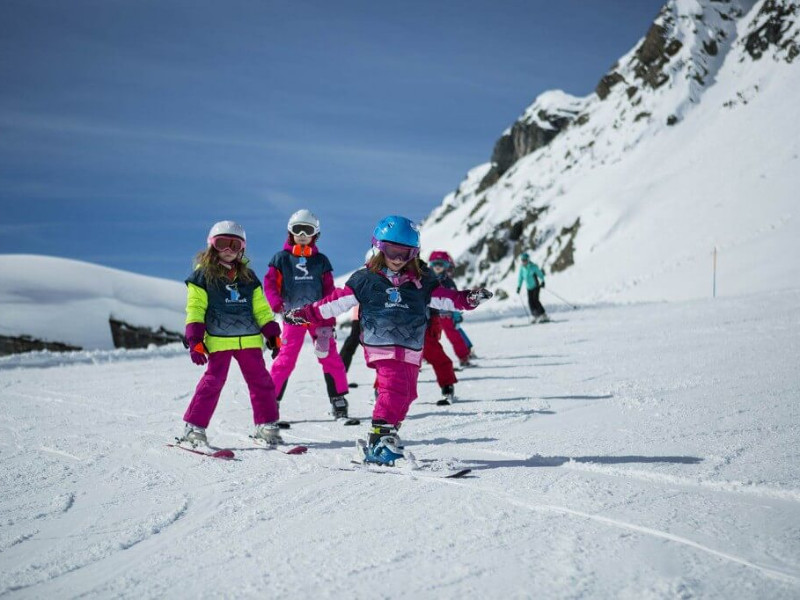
(296, 450)
(352, 384)
(460, 473)
(443, 402)
(224, 453)
(284, 425)
(352, 421)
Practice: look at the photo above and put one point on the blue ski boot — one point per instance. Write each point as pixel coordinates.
(384, 446)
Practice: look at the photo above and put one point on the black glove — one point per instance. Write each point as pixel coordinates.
(475, 297)
(296, 316)
(542, 282)
(274, 345)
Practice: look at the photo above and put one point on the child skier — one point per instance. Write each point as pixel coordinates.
(226, 318)
(394, 294)
(442, 265)
(533, 277)
(297, 275)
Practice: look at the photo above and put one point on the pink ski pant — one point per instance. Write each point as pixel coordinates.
(291, 344)
(262, 390)
(397, 389)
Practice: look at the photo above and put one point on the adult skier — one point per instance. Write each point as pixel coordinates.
(533, 277)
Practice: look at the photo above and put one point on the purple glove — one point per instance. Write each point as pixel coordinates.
(272, 332)
(195, 333)
(299, 316)
(476, 297)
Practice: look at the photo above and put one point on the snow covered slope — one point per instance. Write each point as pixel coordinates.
(645, 451)
(690, 142)
(69, 301)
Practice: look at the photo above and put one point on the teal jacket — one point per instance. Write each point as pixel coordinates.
(531, 274)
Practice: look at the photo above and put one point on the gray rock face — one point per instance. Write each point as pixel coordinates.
(526, 137)
(25, 343)
(130, 336)
(774, 23)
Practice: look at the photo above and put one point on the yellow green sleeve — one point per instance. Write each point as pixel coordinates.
(196, 304)
(261, 308)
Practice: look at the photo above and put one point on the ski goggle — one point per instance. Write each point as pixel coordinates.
(302, 229)
(222, 242)
(440, 263)
(397, 251)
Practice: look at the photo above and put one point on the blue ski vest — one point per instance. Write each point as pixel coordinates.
(390, 315)
(302, 277)
(230, 305)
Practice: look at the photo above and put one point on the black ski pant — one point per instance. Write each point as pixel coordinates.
(350, 344)
(537, 310)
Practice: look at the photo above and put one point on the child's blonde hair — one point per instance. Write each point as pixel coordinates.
(377, 263)
(208, 261)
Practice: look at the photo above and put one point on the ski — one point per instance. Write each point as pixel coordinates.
(348, 422)
(292, 450)
(420, 471)
(223, 453)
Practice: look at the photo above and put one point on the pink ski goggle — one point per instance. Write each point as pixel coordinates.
(397, 251)
(222, 242)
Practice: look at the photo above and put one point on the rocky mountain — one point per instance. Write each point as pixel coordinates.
(688, 143)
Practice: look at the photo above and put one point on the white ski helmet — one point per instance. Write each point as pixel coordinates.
(226, 228)
(303, 217)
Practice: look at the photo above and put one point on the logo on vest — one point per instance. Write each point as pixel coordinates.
(235, 296)
(395, 298)
(301, 266)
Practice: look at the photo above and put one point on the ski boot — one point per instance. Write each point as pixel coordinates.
(465, 362)
(448, 395)
(543, 318)
(193, 436)
(267, 434)
(339, 407)
(384, 446)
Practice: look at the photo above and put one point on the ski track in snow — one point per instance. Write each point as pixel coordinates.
(625, 452)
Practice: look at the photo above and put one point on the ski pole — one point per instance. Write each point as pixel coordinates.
(562, 299)
(524, 307)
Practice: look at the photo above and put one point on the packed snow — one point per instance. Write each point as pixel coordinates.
(641, 451)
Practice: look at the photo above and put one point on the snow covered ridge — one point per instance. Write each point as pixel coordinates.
(71, 302)
(688, 143)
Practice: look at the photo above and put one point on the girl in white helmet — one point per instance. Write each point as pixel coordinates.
(298, 275)
(227, 317)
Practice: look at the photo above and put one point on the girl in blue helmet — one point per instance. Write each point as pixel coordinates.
(394, 293)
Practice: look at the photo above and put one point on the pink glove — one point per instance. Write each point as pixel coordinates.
(195, 333)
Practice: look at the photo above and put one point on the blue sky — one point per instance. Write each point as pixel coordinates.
(127, 128)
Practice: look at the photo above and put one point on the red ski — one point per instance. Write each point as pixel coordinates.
(223, 453)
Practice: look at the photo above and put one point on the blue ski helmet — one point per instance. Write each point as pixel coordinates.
(397, 230)
(524, 256)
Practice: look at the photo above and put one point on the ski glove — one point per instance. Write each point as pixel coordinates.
(476, 297)
(272, 332)
(274, 345)
(298, 316)
(518, 290)
(195, 333)
(198, 354)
